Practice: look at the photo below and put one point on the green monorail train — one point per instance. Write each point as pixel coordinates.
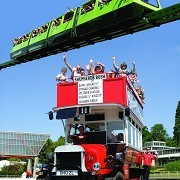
(94, 21)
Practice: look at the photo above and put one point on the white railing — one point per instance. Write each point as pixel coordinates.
(165, 175)
(12, 177)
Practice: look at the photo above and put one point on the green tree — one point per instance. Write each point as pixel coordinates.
(59, 142)
(47, 148)
(170, 141)
(146, 135)
(177, 126)
(158, 133)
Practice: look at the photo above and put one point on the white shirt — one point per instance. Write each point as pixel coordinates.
(61, 78)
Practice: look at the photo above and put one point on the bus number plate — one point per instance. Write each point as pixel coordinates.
(67, 173)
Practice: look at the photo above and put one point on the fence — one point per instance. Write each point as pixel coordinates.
(165, 175)
(12, 177)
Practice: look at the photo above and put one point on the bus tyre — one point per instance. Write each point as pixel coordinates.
(119, 176)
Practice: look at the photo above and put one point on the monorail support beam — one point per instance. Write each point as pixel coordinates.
(29, 165)
(36, 159)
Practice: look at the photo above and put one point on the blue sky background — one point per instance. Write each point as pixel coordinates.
(28, 91)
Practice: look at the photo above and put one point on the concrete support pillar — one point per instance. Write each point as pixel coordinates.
(36, 159)
(29, 165)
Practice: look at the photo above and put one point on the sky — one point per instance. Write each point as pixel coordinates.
(28, 91)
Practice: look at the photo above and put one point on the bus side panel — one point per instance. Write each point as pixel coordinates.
(115, 91)
(67, 94)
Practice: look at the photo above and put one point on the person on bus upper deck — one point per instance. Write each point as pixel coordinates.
(133, 78)
(111, 74)
(140, 92)
(82, 72)
(62, 78)
(75, 71)
(89, 67)
(122, 70)
(79, 138)
(99, 68)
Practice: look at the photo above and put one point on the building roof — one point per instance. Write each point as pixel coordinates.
(19, 144)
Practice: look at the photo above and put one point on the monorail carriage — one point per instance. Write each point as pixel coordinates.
(88, 24)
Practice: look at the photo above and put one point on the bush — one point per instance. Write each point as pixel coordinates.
(16, 169)
(172, 166)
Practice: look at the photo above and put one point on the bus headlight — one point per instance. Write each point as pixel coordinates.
(96, 166)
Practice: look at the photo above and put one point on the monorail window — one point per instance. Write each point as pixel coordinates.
(89, 6)
(56, 22)
(115, 131)
(68, 15)
(94, 117)
(43, 28)
(102, 2)
(152, 2)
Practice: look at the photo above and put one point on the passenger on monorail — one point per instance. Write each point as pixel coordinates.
(15, 41)
(69, 10)
(56, 22)
(43, 28)
(102, 2)
(35, 32)
(87, 8)
(25, 37)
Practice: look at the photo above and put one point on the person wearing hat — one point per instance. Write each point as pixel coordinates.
(122, 70)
